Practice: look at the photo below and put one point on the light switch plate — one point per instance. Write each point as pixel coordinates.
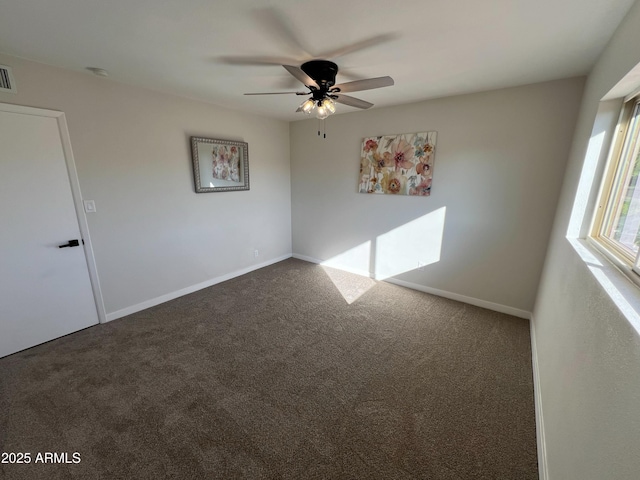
(89, 206)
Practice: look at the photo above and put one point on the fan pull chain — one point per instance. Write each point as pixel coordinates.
(322, 129)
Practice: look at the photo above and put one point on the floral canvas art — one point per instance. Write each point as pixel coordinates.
(226, 162)
(398, 164)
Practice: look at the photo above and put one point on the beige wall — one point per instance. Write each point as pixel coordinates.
(483, 232)
(152, 235)
(588, 351)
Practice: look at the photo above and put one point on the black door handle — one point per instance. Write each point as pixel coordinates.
(72, 243)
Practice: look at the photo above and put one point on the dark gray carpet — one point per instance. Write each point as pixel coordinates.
(274, 375)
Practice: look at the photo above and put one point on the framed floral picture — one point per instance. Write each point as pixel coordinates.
(398, 164)
(219, 165)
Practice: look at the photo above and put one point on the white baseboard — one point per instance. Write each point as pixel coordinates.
(542, 447)
(496, 307)
(193, 288)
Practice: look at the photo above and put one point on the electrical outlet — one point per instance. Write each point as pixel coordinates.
(255, 253)
(89, 206)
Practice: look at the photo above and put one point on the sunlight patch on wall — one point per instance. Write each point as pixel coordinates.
(622, 292)
(621, 300)
(584, 187)
(596, 150)
(411, 246)
(355, 260)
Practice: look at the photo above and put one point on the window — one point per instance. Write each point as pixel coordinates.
(617, 222)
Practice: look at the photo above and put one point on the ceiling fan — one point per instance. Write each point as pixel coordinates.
(316, 73)
(319, 76)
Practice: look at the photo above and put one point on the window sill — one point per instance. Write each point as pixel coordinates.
(617, 262)
(617, 279)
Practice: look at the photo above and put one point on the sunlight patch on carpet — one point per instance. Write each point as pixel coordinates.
(351, 286)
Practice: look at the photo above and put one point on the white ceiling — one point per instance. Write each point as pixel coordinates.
(196, 48)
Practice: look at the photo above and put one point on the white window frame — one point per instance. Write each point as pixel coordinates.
(613, 185)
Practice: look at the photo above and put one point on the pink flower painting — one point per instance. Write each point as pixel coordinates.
(226, 163)
(398, 164)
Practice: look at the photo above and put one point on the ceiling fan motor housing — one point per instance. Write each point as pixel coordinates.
(322, 71)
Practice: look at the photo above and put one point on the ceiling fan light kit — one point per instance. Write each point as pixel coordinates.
(307, 106)
(329, 105)
(325, 107)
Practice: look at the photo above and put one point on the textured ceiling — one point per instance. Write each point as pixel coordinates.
(217, 50)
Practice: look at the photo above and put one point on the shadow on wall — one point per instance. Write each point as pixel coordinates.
(411, 246)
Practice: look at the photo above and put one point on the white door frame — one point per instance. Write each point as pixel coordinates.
(75, 192)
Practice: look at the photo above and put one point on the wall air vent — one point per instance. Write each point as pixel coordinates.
(7, 83)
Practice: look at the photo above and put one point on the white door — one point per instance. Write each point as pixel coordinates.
(45, 291)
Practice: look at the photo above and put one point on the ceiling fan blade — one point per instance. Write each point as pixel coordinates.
(300, 75)
(276, 24)
(277, 93)
(361, 45)
(288, 82)
(366, 84)
(351, 101)
(257, 61)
